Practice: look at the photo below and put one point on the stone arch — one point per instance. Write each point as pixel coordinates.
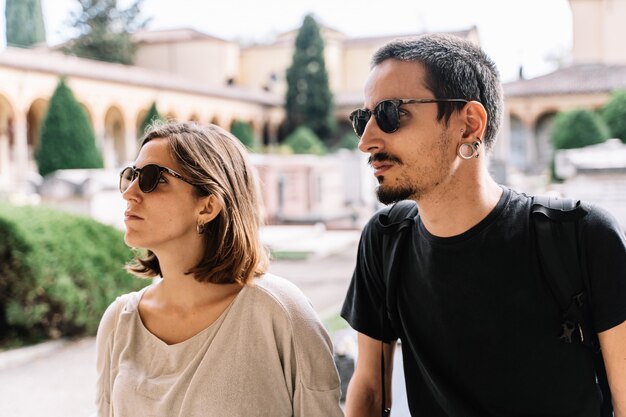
(34, 119)
(282, 131)
(266, 137)
(194, 118)
(543, 140)
(227, 121)
(141, 114)
(7, 139)
(520, 140)
(170, 115)
(215, 120)
(250, 122)
(114, 138)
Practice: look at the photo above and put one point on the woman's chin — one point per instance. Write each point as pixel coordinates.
(132, 241)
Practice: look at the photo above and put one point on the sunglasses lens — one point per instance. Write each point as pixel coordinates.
(387, 116)
(359, 121)
(126, 177)
(149, 178)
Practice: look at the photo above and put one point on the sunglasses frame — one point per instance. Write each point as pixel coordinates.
(397, 103)
(137, 172)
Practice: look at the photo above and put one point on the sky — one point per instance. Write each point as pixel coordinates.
(514, 33)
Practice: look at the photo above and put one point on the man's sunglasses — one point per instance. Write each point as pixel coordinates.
(387, 113)
(149, 177)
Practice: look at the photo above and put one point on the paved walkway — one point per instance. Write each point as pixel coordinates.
(57, 379)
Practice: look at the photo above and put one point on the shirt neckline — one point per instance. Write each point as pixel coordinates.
(474, 230)
(134, 308)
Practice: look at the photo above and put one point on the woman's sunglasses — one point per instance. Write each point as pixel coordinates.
(387, 113)
(149, 177)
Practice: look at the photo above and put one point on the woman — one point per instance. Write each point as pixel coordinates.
(216, 336)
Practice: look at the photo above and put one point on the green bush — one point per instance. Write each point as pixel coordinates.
(348, 141)
(577, 129)
(614, 114)
(58, 273)
(67, 139)
(243, 131)
(304, 141)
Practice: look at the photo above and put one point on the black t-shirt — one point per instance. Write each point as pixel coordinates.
(478, 324)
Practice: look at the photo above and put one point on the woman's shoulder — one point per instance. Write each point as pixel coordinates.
(123, 304)
(280, 292)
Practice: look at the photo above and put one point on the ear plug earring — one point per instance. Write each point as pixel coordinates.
(468, 151)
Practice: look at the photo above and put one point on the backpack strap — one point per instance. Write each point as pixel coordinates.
(555, 222)
(556, 233)
(394, 225)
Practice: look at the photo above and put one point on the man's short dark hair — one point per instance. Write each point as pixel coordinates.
(455, 68)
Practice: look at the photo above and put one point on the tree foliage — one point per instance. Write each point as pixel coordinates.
(348, 141)
(67, 139)
(614, 113)
(243, 131)
(309, 101)
(304, 141)
(24, 23)
(577, 129)
(105, 31)
(151, 117)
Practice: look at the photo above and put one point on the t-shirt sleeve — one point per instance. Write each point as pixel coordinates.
(104, 346)
(364, 303)
(316, 389)
(604, 255)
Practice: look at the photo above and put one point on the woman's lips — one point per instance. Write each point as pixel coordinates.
(128, 216)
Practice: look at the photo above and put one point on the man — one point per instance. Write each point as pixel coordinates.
(475, 316)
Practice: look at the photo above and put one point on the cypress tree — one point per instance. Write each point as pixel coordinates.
(67, 139)
(151, 117)
(105, 31)
(309, 101)
(24, 23)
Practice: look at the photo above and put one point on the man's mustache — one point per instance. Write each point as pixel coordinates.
(383, 157)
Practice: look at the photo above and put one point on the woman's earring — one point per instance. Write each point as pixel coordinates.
(200, 228)
(468, 151)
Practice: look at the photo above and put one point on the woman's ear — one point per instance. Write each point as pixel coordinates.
(211, 206)
(474, 120)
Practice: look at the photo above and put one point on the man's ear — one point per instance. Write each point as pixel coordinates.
(474, 119)
(211, 206)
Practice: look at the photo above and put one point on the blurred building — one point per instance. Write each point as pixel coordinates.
(596, 174)
(597, 68)
(262, 67)
(194, 76)
(191, 76)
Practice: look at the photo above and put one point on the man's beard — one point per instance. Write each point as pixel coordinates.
(389, 195)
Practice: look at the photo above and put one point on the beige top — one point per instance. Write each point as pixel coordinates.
(267, 355)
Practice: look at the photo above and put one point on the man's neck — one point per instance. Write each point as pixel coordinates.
(457, 209)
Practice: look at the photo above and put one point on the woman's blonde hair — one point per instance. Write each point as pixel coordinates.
(217, 163)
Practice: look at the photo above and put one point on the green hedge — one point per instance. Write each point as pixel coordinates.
(614, 113)
(304, 141)
(58, 273)
(578, 128)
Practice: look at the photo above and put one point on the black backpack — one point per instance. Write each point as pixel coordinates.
(555, 223)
